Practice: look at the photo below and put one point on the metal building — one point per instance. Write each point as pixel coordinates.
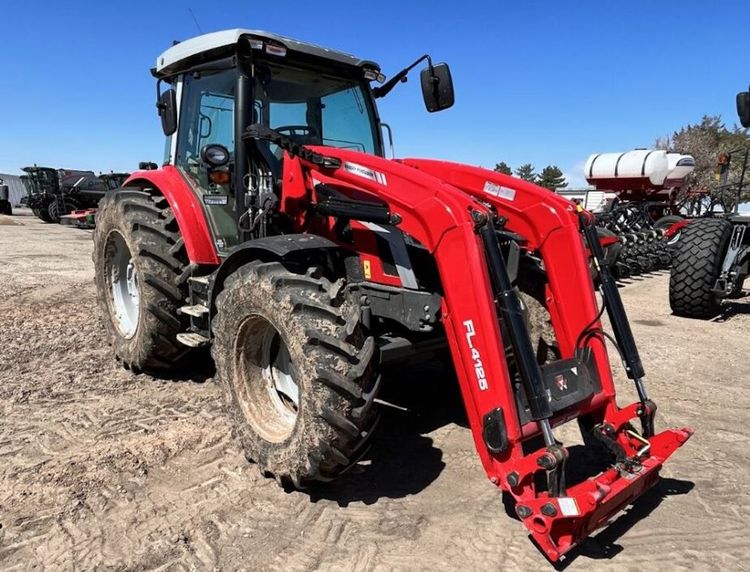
(15, 188)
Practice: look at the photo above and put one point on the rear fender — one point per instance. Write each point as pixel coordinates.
(187, 209)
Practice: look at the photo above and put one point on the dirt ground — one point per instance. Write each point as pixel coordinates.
(104, 469)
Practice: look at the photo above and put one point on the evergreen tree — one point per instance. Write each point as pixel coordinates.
(526, 172)
(552, 178)
(502, 167)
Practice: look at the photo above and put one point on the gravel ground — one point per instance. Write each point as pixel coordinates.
(104, 469)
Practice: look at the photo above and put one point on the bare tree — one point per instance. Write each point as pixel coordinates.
(705, 141)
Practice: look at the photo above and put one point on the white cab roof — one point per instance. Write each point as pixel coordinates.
(226, 38)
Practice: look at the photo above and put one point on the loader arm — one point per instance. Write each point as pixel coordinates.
(446, 207)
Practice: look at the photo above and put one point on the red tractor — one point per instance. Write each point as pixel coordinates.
(279, 234)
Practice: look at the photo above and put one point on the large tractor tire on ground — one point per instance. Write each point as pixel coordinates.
(141, 278)
(42, 214)
(696, 266)
(53, 209)
(297, 371)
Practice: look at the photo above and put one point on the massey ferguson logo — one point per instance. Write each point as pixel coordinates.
(475, 355)
(561, 382)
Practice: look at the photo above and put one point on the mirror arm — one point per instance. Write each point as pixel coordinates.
(159, 104)
(383, 90)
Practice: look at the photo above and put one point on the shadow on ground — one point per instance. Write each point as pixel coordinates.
(734, 308)
(604, 545)
(402, 459)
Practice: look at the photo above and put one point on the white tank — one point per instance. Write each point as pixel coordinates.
(640, 169)
(636, 168)
(680, 166)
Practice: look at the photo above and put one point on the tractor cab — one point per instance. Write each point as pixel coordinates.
(211, 89)
(43, 186)
(42, 180)
(113, 181)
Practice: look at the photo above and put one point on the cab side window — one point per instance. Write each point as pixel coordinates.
(206, 117)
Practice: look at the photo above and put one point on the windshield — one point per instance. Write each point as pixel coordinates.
(314, 108)
(42, 180)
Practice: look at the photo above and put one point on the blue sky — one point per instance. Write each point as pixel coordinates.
(540, 82)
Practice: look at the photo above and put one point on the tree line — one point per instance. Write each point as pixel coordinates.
(550, 178)
(706, 141)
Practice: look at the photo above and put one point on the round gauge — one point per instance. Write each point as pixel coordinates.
(215, 155)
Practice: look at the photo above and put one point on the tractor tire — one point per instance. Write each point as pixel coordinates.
(6, 208)
(696, 266)
(53, 213)
(42, 214)
(297, 371)
(141, 272)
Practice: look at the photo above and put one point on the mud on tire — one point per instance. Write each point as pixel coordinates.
(328, 356)
(696, 266)
(146, 225)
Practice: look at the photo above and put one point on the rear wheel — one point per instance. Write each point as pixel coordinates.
(696, 266)
(297, 371)
(42, 213)
(141, 278)
(53, 209)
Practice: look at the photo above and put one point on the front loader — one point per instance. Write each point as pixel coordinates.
(279, 234)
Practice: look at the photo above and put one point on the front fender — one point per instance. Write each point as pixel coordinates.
(187, 209)
(267, 249)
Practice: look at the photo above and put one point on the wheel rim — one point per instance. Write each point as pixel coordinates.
(123, 285)
(265, 379)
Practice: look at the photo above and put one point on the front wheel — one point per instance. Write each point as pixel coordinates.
(297, 371)
(139, 263)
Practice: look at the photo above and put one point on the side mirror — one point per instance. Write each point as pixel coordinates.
(437, 87)
(167, 106)
(743, 108)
